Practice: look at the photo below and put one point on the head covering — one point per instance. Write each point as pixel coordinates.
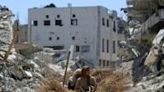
(84, 70)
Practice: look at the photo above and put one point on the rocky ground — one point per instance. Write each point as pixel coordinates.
(23, 74)
(151, 83)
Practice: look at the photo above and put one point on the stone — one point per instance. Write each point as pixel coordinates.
(26, 89)
(16, 73)
(18, 90)
(28, 74)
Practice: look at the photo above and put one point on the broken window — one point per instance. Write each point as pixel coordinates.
(85, 48)
(58, 16)
(47, 16)
(74, 22)
(50, 38)
(35, 23)
(58, 22)
(77, 48)
(56, 47)
(47, 22)
(73, 15)
(58, 38)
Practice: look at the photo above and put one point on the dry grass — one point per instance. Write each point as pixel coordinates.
(106, 79)
(109, 82)
(51, 85)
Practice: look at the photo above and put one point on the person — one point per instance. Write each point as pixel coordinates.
(73, 79)
(85, 83)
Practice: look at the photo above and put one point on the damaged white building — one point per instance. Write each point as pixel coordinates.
(91, 30)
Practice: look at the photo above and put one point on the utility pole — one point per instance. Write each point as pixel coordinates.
(65, 74)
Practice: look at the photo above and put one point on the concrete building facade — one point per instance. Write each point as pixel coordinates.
(92, 31)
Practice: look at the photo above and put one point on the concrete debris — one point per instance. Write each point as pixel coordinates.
(146, 79)
(16, 77)
(24, 75)
(129, 51)
(6, 32)
(149, 84)
(158, 38)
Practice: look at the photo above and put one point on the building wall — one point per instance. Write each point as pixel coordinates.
(89, 30)
(108, 51)
(84, 32)
(23, 34)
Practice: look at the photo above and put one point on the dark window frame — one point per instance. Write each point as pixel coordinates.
(58, 22)
(77, 48)
(103, 45)
(47, 22)
(114, 26)
(35, 23)
(73, 37)
(107, 46)
(114, 46)
(103, 21)
(74, 22)
(107, 24)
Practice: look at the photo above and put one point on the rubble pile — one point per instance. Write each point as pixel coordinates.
(23, 75)
(145, 79)
(58, 59)
(6, 32)
(151, 83)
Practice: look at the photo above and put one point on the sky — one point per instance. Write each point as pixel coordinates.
(20, 7)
